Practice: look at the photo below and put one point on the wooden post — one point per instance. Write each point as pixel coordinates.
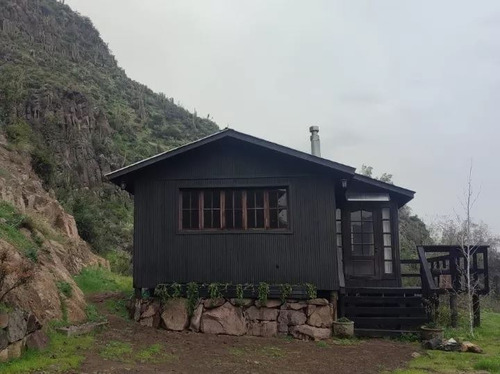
(453, 309)
(477, 310)
(334, 300)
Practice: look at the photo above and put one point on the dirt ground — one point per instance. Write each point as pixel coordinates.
(186, 352)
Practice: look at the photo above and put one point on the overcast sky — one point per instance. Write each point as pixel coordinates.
(411, 88)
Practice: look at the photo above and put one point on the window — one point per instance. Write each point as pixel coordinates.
(387, 238)
(338, 222)
(362, 233)
(234, 209)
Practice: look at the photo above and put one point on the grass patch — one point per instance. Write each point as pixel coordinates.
(117, 351)
(155, 354)
(96, 279)
(322, 344)
(65, 288)
(63, 354)
(487, 337)
(117, 307)
(237, 351)
(273, 352)
(92, 314)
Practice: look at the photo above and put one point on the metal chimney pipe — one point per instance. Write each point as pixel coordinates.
(315, 146)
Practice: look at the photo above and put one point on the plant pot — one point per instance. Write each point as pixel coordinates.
(343, 329)
(429, 333)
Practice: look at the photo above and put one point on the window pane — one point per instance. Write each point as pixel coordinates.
(238, 219)
(338, 226)
(251, 199)
(260, 218)
(207, 219)
(357, 238)
(367, 238)
(216, 199)
(356, 216)
(338, 214)
(207, 199)
(273, 218)
(195, 216)
(388, 267)
(386, 214)
(238, 199)
(368, 250)
(251, 218)
(367, 226)
(282, 199)
(216, 219)
(186, 221)
(339, 240)
(387, 240)
(356, 227)
(387, 253)
(229, 219)
(357, 250)
(229, 200)
(366, 214)
(259, 199)
(273, 199)
(283, 218)
(386, 226)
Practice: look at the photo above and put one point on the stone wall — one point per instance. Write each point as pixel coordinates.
(19, 330)
(307, 320)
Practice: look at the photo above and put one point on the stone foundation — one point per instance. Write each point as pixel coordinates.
(19, 330)
(307, 320)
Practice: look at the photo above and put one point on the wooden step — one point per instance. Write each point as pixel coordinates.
(384, 291)
(377, 333)
(382, 300)
(385, 311)
(388, 323)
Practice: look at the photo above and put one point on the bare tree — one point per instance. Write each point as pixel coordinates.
(468, 245)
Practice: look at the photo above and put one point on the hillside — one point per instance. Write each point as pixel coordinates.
(66, 103)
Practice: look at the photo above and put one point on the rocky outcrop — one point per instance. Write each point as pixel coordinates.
(175, 315)
(22, 331)
(62, 252)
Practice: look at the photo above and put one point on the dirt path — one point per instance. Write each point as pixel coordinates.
(126, 347)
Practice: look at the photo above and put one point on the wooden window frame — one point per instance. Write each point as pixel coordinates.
(244, 211)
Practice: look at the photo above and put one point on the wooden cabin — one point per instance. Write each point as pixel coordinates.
(233, 208)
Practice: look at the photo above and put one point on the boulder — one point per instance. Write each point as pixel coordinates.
(306, 332)
(310, 309)
(435, 343)
(241, 302)
(296, 306)
(226, 319)
(4, 320)
(283, 328)
(16, 329)
(261, 314)
(263, 328)
(270, 303)
(37, 340)
(318, 301)
(470, 347)
(175, 314)
(213, 303)
(4, 355)
(321, 317)
(292, 317)
(32, 324)
(196, 318)
(4, 341)
(137, 309)
(153, 321)
(15, 350)
(151, 309)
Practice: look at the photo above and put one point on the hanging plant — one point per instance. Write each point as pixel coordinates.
(239, 291)
(311, 291)
(161, 291)
(263, 292)
(286, 291)
(176, 289)
(192, 294)
(214, 291)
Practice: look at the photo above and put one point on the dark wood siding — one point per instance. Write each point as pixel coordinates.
(305, 254)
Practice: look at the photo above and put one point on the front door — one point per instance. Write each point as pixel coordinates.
(367, 243)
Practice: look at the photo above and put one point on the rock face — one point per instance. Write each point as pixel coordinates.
(17, 327)
(196, 318)
(261, 314)
(58, 259)
(226, 319)
(37, 340)
(175, 315)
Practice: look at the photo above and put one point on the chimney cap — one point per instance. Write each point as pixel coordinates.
(314, 129)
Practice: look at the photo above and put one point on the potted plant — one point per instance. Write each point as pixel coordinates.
(343, 328)
(431, 331)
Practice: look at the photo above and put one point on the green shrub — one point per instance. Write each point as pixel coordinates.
(214, 291)
(65, 288)
(20, 134)
(263, 292)
(286, 291)
(311, 291)
(120, 262)
(161, 291)
(192, 295)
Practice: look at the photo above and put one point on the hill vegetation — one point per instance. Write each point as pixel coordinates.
(66, 102)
